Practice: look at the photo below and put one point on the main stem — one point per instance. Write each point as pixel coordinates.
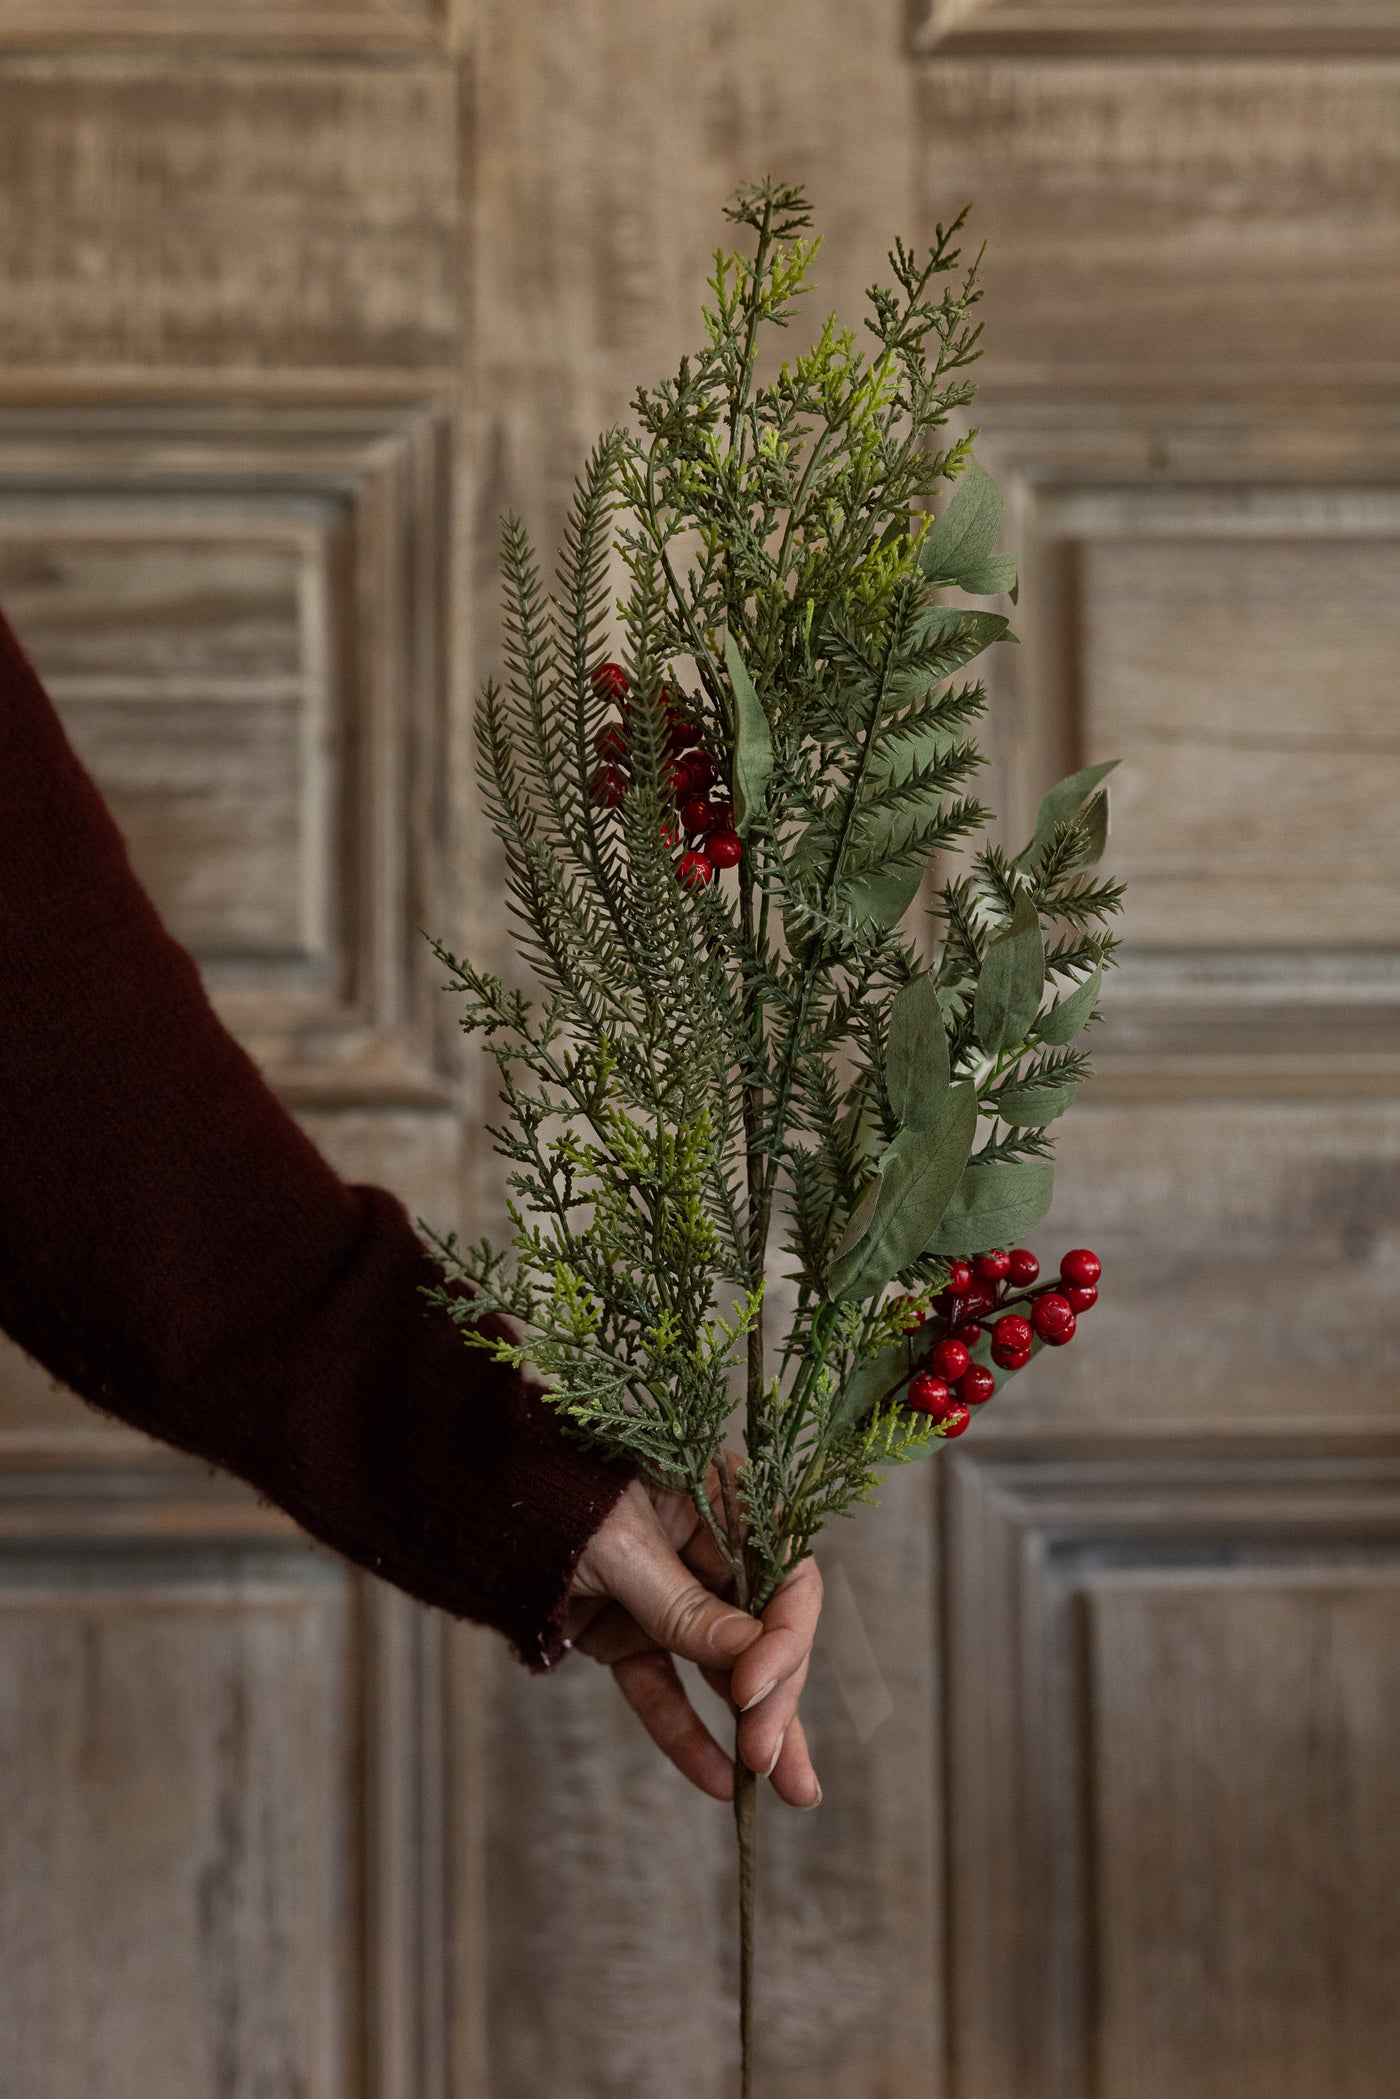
(746, 1827)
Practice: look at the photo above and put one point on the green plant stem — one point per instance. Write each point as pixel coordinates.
(746, 1829)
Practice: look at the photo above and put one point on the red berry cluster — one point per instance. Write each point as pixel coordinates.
(690, 773)
(948, 1384)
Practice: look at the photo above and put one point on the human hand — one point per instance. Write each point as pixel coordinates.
(646, 1590)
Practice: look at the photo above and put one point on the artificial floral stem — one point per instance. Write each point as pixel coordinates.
(746, 1828)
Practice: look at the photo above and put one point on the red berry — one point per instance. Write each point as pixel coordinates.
(682, 731)
(675, 778)
(976, 1385)
(697, 815)
(969, 1334)
(959, 1276)
(609, 681)
(670, 836)
(703, 770)
(611, 744)
(1081, 1299)
(993, 1266)
(1051, 1314)
(949, 1360)
(973, 1303)
(907, 1316)
(1024, 1266)
(1010, 1358)
(694, 870)
(955, 1420)
(1012, 1334)
(608, 786)
(928, 1394)
(725, 848)
(1061, 1334)
(1081, 1267)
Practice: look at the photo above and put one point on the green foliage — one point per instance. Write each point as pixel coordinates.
(777, 1071)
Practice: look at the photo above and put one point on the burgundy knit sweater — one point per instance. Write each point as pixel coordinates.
(174, 1249)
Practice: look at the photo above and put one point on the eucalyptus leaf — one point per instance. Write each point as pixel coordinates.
(1071, 1014)
(995, 577)
(1059, 806)
(753, 741)
(962, 537)
(1094, 818)
(958, 635)
(994, 1205)
(1031, 1107)
(1011, 980)
(917, 1074)
(881, 899)
(918, 1175)
(860, 1219)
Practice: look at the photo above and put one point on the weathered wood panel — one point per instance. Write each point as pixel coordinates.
(1247, 684)
(1168, 223)
(1050, 28)
(1251, 1264)
(177, 1751)
(1247, 1824)
(350, 25)
(1172, 1709)
(220, 216)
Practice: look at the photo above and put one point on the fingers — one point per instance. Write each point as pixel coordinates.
(785, 1645)
(644, 1574)
(655, 1693)
(613, 1636)
(794, 1780)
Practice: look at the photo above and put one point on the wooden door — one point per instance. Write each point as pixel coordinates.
(297, 298)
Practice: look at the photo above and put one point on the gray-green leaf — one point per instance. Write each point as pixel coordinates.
(753, 742)
(860, 1219)
(916, 1056)
(960, 540)
(918, 1175)
(1031, 1107)
(994, 1205)
(1011, 980)
(1061, 804)
(1069, 1015)
(995, 577)
(868, 1383)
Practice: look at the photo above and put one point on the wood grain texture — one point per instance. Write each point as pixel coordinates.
(1251, 1256)
(1267, 28)
(1172, 1703)
(351, 25)
(226, 216)
(1153, 222)
(173, 1847)
(242, 618)
(1245, 1790)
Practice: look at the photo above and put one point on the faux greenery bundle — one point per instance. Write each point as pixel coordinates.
(746, 1064)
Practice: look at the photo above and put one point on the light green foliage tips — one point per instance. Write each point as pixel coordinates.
(798, 1068)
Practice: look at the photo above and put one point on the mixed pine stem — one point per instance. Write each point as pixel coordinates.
(727, 1078)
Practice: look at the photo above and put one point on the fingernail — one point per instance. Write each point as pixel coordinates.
(814, 1803)
(776, 1754)
(759, 1696)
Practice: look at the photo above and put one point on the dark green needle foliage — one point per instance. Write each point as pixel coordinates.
(799, 1085)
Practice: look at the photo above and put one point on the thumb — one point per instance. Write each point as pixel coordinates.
(677, 1611)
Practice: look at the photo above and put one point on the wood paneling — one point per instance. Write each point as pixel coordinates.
(241, 616)
(1052, 27)
(1173, 1703)
(1246, 1817)
(350, 25)
(221, 1845)
(225, 217)
(1173, 224)
(1252, 1264)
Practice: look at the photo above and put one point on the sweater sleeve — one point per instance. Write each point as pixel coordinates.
(175, 1250)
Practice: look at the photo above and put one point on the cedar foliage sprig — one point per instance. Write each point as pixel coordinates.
(714, 1082)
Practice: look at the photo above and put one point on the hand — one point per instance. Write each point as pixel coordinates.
(646, 1589)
